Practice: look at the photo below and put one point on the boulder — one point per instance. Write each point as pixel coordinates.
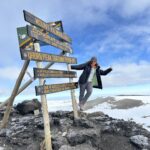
(75, 136)
(28, 106)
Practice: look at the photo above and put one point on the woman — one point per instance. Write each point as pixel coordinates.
(90, 77)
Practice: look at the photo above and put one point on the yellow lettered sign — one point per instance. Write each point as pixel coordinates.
(51, 73)
(37, 56)
(40, 23)
(46, 89)
(44, 37)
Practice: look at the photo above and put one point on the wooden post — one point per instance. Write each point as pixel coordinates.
(13, 95)
(74, 102)
(44, 107)
(23, 87)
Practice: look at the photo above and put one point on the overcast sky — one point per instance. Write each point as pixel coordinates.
(116, 32)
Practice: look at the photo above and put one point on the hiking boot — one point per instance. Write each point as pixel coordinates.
(81, 106)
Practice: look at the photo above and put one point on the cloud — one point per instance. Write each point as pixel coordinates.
(125, 74)
(131, 8)
(99, 12)
(11, 73)
(113, 41)
(124, 43)
(135, 29)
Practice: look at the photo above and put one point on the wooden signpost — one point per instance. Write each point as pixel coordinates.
(58, 26)
(30, 38)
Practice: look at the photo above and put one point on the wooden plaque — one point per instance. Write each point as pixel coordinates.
(39, 35)
(37, 56)
(40, 23)
(51, 73)
(46, 89)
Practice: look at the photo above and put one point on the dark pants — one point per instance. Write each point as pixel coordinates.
(89, 88)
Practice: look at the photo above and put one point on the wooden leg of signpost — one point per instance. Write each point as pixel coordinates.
(73, 97)
(13, 95)
(44, 108)
(28, 83)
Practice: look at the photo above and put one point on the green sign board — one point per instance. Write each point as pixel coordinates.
(23, 37)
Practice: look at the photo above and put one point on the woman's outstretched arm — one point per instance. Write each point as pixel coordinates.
(105, 72)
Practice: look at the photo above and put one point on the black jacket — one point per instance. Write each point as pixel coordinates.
(86, 67)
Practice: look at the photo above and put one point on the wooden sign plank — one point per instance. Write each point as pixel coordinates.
(46, 89)
(37, 56)
(51, 73)
(40, 23)
(39, 35)
(57, 25)
(45, 37)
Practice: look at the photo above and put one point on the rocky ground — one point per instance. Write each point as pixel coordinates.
(95, 131)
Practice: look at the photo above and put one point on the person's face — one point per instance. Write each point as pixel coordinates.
(93, 63)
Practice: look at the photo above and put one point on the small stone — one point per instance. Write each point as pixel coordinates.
(2, 132)
(36, 112)
(139, 140)
(64, 134)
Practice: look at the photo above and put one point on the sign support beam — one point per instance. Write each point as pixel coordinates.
(73, 97)
(44, 107)
(14, 93)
